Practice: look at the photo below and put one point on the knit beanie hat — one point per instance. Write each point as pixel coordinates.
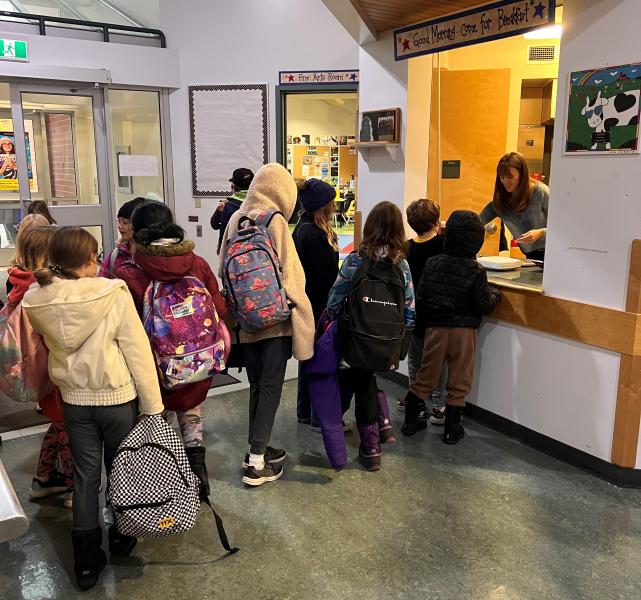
(315, 195)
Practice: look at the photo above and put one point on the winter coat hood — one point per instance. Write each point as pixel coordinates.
(70, 310)
(464, 234)
(272, 188)
(167, 261)
(20, 280)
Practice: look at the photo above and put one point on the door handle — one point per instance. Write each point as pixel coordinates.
(491, 228)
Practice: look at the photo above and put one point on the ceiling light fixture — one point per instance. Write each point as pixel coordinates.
(552, 32)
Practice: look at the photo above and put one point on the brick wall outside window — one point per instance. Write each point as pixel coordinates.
(62, 169)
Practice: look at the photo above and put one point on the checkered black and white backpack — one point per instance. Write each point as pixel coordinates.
(152, 490)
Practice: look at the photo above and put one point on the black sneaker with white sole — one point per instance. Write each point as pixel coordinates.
(272, 455)
(253, 476)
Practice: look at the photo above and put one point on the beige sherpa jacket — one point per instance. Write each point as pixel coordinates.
(99, 353)
(274, 188)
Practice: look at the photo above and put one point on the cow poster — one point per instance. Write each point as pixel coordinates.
(603, 111)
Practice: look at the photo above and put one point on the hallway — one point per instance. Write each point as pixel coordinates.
(487, 519)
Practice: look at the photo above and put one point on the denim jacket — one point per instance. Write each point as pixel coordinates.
(339, 291)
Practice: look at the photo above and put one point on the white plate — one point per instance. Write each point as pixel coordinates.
(499, 263)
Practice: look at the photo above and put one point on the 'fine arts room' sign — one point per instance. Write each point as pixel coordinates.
(483, 24)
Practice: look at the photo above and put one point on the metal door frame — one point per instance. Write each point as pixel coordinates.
(100, 214)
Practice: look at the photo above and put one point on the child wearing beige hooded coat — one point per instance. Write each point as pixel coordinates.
(100, 358)
(266, 352)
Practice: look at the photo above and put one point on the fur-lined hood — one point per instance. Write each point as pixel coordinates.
(166, 249)
(166, 261)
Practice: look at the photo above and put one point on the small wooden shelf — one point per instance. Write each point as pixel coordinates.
(391, 147)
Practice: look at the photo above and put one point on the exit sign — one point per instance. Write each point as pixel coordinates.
(13, 50)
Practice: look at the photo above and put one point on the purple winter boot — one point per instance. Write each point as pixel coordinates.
(369, 452)
(384, 424)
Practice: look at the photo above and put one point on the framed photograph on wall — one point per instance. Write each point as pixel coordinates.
(380, 126)
(603, 111)
(125, 183)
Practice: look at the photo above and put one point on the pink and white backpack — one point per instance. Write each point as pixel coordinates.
(24, 376)
(188, 339)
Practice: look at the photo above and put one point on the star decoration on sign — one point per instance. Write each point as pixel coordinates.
(538, 10)
(290, 78)
(406, 44)
(353, 76)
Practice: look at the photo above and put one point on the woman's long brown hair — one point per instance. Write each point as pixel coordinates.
(384, 233)
(323, 219)
(519, 199)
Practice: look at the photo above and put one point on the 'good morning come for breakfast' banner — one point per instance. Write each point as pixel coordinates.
(482, 24)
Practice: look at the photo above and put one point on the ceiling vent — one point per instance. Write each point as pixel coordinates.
(537, 54)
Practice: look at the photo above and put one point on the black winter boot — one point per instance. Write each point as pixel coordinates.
(89, 558)
(414, 422)
(119, 544)
(369, 452)
(454, 431)
(196, 457)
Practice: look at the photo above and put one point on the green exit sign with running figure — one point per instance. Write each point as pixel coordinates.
(13, 50)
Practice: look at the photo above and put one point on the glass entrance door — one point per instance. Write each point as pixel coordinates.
(59, 139)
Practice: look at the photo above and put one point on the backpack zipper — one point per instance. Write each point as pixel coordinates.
(158, 447)
(120, 509)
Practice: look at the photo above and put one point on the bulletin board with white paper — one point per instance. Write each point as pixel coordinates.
(229, 130)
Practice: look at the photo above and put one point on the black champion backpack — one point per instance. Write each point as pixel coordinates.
(374, 326)
(152, 490)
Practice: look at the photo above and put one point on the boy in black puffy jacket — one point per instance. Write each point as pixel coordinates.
(453, 295)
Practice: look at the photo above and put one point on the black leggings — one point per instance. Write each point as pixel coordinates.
(365, 390)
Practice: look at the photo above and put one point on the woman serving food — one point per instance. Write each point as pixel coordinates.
(521, 203)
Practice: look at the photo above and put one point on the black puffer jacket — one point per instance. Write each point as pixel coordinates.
(453, 291)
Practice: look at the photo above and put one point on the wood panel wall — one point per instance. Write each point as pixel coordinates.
(473, 129)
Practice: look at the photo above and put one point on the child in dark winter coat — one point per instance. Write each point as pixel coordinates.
(383, 240)
(317, 247)
(453, 294)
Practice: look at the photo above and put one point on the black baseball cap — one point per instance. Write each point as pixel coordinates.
(242, 178)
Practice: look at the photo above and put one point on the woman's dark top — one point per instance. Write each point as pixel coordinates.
(319, 260)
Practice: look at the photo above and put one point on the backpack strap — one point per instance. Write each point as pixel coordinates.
(243, 221)
(265, 218)
(112, 259)
(222, 534)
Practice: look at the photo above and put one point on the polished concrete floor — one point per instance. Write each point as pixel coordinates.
(488, 519)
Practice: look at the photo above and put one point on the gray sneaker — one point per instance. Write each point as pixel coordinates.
(255, 477)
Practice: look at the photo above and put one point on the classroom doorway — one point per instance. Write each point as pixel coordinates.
(318, 140)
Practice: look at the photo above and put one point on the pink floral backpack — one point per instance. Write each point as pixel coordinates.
(252, 276)
(24, 375)
(189, 341)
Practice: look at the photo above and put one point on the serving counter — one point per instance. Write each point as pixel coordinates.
(527, 311)
(525, 278)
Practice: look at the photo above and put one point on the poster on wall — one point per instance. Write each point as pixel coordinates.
(603, 111)
(9, 163)
(228, 128)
